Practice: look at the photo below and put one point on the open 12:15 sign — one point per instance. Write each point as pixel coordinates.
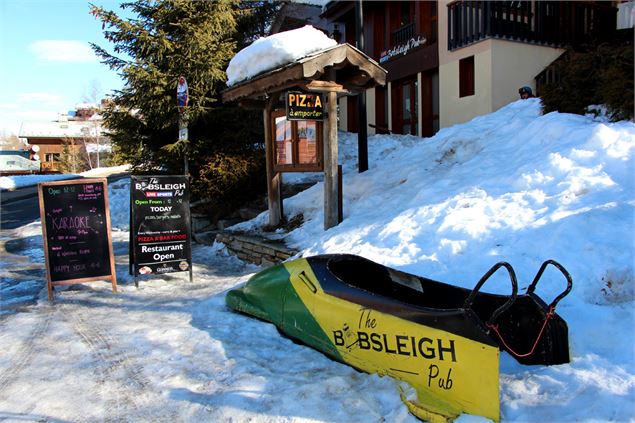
(76, 231)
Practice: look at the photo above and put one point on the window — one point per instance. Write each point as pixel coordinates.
(466, 76)
(307, 142)
(297, 144)
(51, 157)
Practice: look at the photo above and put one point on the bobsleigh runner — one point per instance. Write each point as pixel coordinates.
(441, 339)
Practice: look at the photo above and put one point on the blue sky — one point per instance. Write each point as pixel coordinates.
(47, 65)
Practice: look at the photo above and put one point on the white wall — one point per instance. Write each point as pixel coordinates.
(454, 109)
(515, 65)
(500, 68)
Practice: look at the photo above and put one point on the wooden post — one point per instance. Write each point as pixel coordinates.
(273, 179)
(330, 164)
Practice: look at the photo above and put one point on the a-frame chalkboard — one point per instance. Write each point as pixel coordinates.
(76, 231)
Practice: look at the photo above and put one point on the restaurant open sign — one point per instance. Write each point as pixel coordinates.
(304, 106)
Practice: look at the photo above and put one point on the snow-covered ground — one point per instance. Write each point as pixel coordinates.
(511, 186)
(20, 181)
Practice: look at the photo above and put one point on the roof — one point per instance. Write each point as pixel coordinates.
(355, 72)
(55, 129)
(18, 163)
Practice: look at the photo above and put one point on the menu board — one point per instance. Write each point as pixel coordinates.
(76, 232)
(160, 229)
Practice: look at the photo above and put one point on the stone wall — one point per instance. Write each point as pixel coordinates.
(256, 250)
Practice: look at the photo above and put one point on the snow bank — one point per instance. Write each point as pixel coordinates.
(514, 186)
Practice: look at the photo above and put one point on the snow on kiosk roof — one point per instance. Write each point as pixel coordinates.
(353, 72)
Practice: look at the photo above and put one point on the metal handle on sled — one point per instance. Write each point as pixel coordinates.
(566, 274)
(490, 272)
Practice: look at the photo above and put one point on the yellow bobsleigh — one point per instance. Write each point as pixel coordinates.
(441, 339)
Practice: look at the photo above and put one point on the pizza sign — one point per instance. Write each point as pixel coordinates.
(304, 106)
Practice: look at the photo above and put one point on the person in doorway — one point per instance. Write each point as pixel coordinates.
(525, 92)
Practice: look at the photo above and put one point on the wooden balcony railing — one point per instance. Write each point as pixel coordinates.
(404, 33)
(553, 23)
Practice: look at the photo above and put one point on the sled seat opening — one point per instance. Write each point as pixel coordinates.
(404, 287)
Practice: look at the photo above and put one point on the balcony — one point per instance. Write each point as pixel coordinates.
(552, 23)
(404, 33)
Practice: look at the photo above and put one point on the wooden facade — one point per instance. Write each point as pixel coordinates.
(402, 37)
(414, 40)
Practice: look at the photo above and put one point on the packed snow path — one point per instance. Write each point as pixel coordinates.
(167, 351)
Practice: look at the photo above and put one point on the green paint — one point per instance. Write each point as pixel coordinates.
(270, 296)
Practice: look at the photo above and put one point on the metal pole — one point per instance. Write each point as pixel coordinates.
(362, 133)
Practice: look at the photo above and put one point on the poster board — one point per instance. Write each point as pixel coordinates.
(76, 232)
(160, 229)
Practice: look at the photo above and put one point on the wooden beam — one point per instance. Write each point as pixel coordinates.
(325, 87)
(344, 53)
(273, 178)
(277, 80)
(330, 164)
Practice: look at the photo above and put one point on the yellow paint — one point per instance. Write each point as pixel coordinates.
(450, 373)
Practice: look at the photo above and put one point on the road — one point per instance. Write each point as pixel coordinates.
(21, 207)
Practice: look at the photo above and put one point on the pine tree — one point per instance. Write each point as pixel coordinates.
(167, 39)
(194, 39)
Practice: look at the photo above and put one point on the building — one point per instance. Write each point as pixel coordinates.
(78, 133)
(450, 61)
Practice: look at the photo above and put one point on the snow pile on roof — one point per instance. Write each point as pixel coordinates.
(276, 50)
(60, 129)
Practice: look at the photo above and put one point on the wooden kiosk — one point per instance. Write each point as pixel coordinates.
(340, 70)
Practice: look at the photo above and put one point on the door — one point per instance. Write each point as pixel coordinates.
(405, 101)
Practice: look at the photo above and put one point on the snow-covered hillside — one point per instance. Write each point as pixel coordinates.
(511, 186)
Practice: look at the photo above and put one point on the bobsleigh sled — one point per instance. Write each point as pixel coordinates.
(441, 339)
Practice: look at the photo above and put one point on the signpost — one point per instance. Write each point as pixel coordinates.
(160, 232)
(76, 232)
(182, 100)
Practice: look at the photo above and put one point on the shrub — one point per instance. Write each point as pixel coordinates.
(227, 180)
(594, 74)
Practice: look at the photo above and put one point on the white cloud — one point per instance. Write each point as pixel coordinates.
(63, 51)
(40, 98)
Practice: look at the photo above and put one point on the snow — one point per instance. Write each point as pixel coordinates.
(274, 51)
(513, 185)
(20, 181)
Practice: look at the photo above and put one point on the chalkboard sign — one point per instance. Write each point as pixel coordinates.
(76, 232)
(160, 228)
